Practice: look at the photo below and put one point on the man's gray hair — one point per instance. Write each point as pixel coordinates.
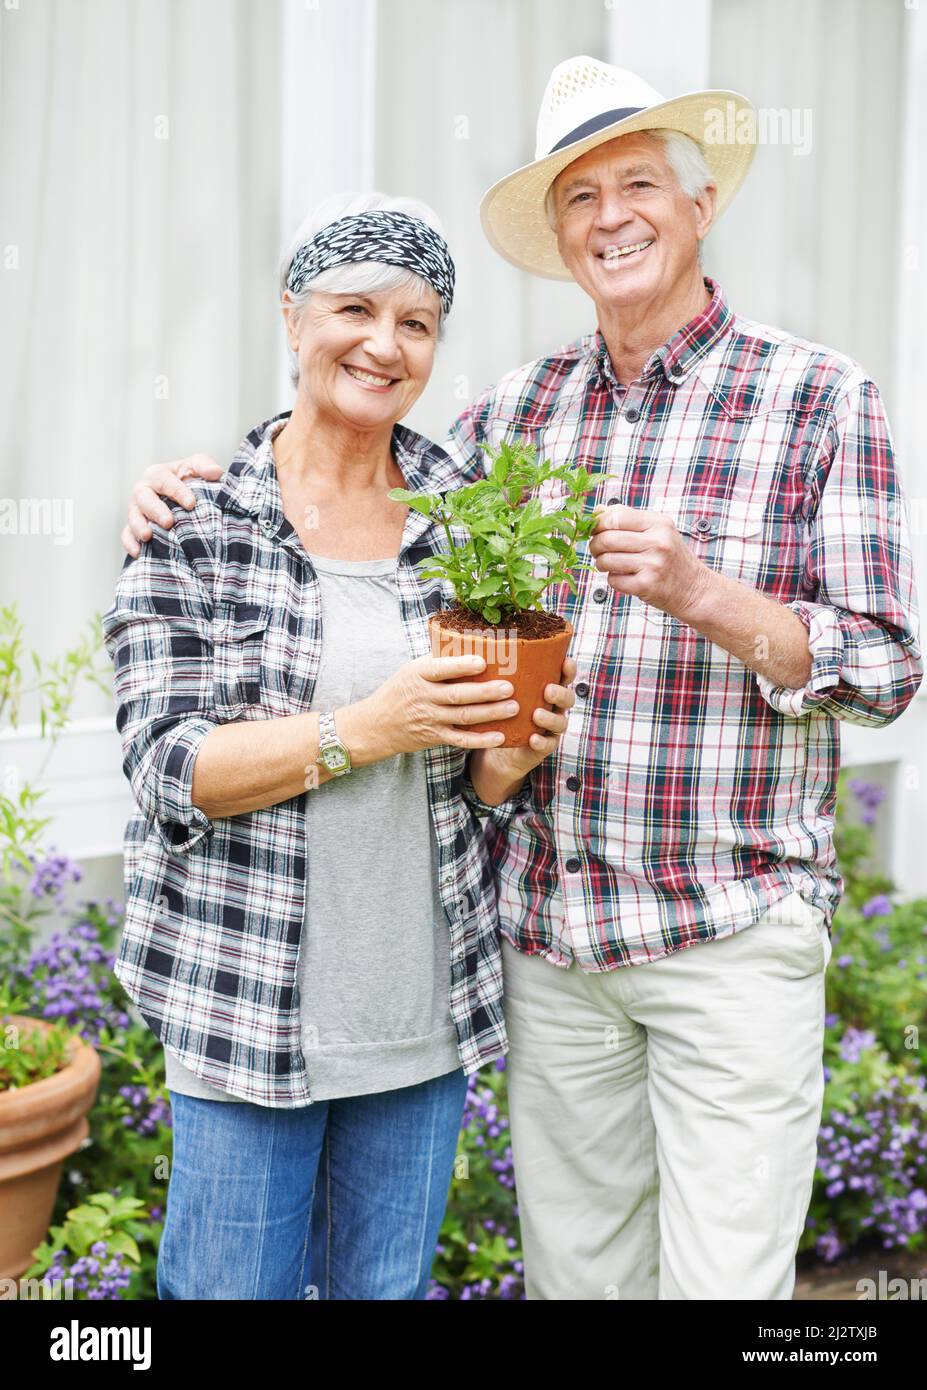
(684, 156)
(358, 277)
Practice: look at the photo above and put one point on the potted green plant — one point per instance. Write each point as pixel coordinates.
(504, 536)
(48, 1084)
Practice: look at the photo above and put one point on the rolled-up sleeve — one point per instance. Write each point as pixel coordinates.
(862, 611)
(158, 636)
(502, 813)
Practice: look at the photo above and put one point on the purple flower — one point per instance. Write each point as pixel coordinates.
(90, 1276)
(870, 797)
(828, 1247)
(50, 876)
(855, 1042)
(148, 1111)
(69, 978)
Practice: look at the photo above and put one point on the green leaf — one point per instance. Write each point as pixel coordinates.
(530, 511)
(492, 584)
(423, 502)
(538, 525)
(123, 1244)
(540, 548)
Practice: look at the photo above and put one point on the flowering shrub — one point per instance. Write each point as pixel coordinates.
(872, 1164)
(479, 1255)
(107, 1218)
(70, 981)
(95, 1252)
(871, 1180)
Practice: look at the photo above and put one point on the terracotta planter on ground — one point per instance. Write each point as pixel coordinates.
(530, 663)
(40, 1125)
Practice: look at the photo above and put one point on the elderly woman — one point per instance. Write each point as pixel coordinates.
(310, 917)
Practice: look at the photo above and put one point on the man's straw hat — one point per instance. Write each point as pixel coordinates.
(586, 103)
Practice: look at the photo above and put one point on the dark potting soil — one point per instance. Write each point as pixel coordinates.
(531, 624)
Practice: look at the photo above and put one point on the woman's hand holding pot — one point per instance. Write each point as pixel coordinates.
(428, 702)
(510, 765)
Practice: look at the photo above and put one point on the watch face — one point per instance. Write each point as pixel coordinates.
(334, 759)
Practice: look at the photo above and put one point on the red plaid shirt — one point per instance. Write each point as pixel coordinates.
(689, 794)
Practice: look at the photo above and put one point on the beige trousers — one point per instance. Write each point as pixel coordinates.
(665, 1116)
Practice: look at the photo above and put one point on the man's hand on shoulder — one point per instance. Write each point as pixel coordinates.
(163, 480)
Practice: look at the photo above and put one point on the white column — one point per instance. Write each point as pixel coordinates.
(666, 42)
(327, 111)
(903, 743)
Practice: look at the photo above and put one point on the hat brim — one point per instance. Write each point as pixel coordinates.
(512, 210)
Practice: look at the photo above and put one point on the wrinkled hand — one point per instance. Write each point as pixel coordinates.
(430, 701)
(643, 554)
(518, 762)
(163, 480)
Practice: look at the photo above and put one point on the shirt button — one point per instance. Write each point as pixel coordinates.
(572, 783)
(266, 524)
(573, 866)
(703, 525)
(632, 414)
(612, 502)
(582, 690)
(600, 595)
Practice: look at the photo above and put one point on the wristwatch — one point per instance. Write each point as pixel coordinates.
(332, 752)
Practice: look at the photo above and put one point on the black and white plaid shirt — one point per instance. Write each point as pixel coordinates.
(219, 620)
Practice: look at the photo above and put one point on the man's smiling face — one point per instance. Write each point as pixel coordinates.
(625, 230)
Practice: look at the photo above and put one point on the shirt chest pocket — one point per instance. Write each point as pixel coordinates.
(238, 635)
(726, 536)
(762, 547)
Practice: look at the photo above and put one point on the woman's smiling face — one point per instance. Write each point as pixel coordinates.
(365, 358)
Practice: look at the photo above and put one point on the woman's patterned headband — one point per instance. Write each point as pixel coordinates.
(394, 238)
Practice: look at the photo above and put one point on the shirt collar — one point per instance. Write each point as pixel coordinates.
(683, 352)
(250, 486)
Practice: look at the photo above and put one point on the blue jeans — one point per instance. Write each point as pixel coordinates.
(339, 1199)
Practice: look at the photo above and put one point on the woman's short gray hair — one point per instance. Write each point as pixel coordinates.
(685, 158)
(358, 277)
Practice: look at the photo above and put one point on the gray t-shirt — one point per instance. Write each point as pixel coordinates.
(374, 964)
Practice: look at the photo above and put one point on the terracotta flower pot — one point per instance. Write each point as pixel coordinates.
(530, 663)
(40, 1124)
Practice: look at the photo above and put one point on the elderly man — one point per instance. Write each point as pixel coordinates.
(667, 881)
